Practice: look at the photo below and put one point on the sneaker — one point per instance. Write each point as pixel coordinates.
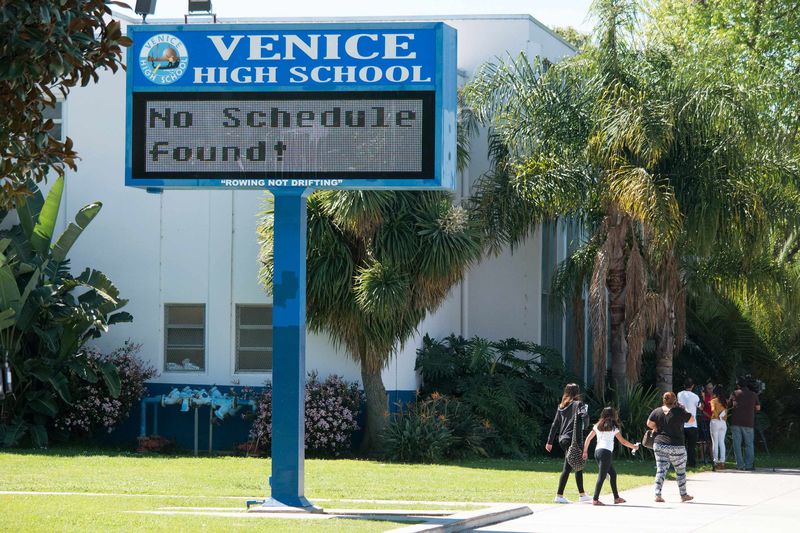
(561, 499)
(585, 498)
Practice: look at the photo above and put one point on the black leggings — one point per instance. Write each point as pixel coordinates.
(690, 435)
(562, 481)
(605, 468)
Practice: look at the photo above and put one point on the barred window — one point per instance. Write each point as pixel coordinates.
(185, 336)
(57, 115)
(253, 338)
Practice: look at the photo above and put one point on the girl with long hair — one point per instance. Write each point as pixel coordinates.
(606, 430)
(667, 422)
(562, 429)
(718, 427)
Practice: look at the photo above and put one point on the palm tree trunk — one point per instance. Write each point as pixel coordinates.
(578, 309)
(616, 301)
(377, 406)
(665, 348)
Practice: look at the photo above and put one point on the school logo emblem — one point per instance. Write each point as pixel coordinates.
(163, 59)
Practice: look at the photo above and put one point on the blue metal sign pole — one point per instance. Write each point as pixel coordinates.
(289, 350)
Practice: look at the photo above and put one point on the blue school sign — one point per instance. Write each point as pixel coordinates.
(267, 106)
(291, 108)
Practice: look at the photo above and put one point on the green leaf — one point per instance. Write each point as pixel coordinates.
(111, 377)
(29, 287)
(81, 368)
(9, 292)
(61, 385)
(25, 268)
(14, 432)
(44, 405)
(118, 318)
(7, 319)
(39, 436)
(74, 230)
(45, 225)
(39, 368)
(28, 210)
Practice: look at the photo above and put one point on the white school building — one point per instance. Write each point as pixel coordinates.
(187, 260)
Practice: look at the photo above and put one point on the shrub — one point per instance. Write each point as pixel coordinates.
(434, 429)
(331, 410)
(510, 384)
(93, 406)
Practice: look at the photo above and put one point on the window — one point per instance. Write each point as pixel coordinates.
(57, 114)
(552, 311)
(185, 337)
(253, 338)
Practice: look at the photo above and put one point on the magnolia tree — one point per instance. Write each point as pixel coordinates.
(47, 48)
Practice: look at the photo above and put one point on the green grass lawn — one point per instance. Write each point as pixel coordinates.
(131, 483)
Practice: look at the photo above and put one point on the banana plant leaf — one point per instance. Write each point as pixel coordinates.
(28, 210)
(22, 245)
(10, 297)
(61, 385)
(43, 402)
(46, 223)
(74, 230)
(7, 319)
(111, 377)
(119, 318)
(80, 368)
(40, 368)
(38, 436)
(14, 432)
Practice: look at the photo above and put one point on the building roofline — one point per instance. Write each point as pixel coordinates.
(133, 19)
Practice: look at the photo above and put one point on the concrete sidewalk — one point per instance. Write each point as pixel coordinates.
(726, 501)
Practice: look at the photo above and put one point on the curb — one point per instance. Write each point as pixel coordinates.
(469, 520)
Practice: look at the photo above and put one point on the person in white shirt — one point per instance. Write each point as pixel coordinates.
(606, 430)
(690, 401)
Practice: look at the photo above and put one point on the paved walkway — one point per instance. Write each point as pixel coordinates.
(727, 502)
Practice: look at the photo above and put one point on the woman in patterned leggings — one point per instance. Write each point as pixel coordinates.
(667, 423)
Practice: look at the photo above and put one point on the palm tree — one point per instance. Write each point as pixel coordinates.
(378, 262)
(660, 160)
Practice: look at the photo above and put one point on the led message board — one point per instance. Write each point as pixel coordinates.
(326, 106)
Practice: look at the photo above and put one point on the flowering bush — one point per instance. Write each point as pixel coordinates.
(93, 407)
(331, 410)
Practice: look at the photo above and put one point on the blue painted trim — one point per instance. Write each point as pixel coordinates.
(178, 426)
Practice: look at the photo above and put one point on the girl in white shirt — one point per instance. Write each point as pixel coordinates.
(606, 430)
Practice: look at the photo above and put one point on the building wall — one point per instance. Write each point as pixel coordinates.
(200, 246)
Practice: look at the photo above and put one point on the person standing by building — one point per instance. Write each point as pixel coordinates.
(667, 422)
(689, 400)
(718, 428)
(744, 405)
(562, 428)
(704, 420)
(606, 430)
